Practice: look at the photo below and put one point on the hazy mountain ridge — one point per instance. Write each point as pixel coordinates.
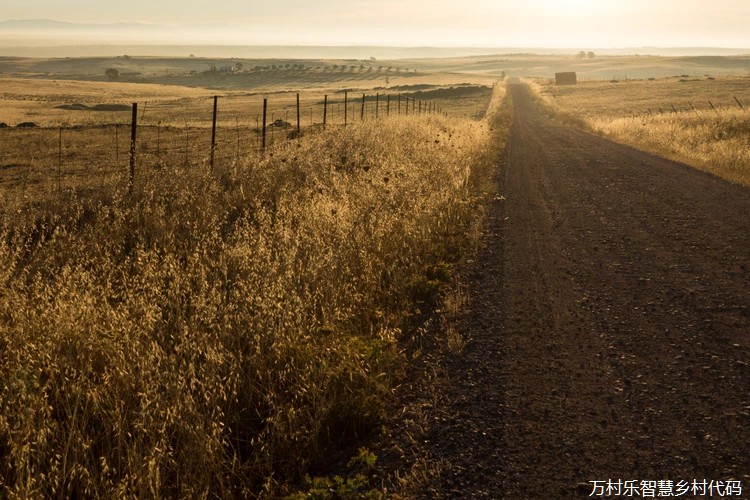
(53, 38)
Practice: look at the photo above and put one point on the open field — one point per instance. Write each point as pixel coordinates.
(693, 120)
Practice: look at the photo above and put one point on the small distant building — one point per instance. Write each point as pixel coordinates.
(566, 78)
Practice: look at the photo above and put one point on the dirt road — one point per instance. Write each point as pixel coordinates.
(610, 326)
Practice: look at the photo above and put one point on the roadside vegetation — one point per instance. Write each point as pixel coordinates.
(693, 120)
(79, 132)
(221, 335)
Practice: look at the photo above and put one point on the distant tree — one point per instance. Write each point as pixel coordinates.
(380, 68)
(238, 66)
(353, 67)
(192, 56)
(361, 67)
(287, 65)
(590, 55)
(582, 55)
(369, 69)
(112, 74)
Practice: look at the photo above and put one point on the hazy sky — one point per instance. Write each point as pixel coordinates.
(529, 23)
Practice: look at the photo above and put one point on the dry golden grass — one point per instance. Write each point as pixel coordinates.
(28, 99)
(214, 335)
(714, 140)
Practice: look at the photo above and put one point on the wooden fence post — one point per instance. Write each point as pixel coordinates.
(299, 127)
(117, 144)
(263, 130)
(399, 104)
(377, 105)
(187, 143)
(325, 110)
(346, 108)
(712, 107)
(213, 133)
(740, 104)
(59, 160)
(237, 128)
(133, 135)
(673, 109)
(388, 105)
(407, 106)
(362, 113)
(158, 141)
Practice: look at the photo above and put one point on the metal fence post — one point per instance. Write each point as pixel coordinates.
(133, 135)
(213, 133)
(263, 132)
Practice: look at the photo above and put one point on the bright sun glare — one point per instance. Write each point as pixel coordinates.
(574, 8)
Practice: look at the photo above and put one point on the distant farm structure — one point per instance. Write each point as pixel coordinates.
(566, 78)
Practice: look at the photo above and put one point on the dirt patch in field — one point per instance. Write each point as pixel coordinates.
(95, 107)
(451, 92)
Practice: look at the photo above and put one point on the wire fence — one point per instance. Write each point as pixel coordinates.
(212, 132)
(709, 108)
